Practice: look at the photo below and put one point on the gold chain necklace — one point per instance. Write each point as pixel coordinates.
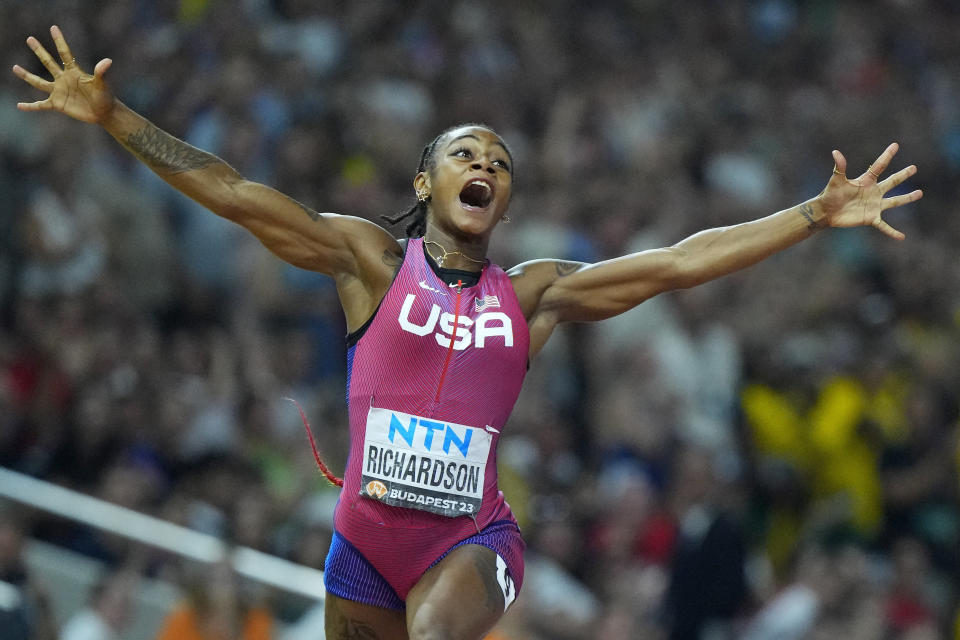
(441, 259)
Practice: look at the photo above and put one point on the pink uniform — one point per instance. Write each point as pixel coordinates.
(430, 387)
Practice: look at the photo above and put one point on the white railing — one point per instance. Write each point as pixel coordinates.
(256, 565)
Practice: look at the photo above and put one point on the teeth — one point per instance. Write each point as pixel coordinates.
(481, 183)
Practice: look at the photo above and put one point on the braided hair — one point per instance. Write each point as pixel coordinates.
(418, 212)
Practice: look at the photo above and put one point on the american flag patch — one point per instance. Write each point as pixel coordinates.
(487, 302)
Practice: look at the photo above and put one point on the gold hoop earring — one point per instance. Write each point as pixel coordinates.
(422, 196)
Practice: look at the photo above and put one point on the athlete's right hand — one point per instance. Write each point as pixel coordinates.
(72, 91)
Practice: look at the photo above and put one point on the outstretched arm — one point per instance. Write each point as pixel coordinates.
(331, 244)
(553, 291)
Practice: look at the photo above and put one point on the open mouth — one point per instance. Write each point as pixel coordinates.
(477, 194)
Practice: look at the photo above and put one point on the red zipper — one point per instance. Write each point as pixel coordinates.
(453, 339)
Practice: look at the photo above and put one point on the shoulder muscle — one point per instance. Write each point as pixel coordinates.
(531, 279)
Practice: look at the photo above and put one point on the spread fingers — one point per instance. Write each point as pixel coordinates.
(34, 81)
(45, 58)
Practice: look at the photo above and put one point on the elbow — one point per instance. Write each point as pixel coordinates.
(680, 272)
(222, 192)
(231, 191)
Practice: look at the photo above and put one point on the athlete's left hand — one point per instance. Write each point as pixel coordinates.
(859, 201)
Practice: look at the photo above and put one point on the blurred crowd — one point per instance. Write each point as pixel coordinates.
(771, 455)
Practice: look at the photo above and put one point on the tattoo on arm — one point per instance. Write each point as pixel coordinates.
(566, 268)
(163, 152)
(807, 212)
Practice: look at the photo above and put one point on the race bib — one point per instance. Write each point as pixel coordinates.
(422, 463)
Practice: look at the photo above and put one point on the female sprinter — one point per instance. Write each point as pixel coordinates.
(440, 338)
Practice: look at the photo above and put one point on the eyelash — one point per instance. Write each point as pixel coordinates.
(464, 150)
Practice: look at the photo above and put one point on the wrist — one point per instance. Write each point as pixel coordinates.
(813, 214)
(111, 116)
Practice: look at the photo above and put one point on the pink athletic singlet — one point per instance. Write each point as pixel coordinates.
(425, 419)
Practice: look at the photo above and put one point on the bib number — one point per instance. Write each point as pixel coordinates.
(425, 464)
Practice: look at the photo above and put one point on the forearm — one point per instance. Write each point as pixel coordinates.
(197, 174)
(717, 252)
(608, 288)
